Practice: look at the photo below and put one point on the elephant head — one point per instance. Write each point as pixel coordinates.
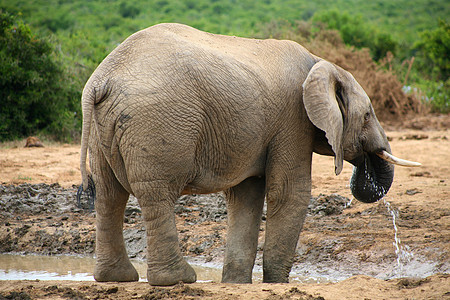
(348, 129)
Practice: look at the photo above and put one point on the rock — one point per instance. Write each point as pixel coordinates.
(33, 141)
(326, 205)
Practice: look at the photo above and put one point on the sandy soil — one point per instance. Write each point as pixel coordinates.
(353, 242)
(357, 287)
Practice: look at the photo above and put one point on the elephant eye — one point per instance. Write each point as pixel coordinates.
(366, 117)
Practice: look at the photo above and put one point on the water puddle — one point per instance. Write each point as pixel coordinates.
(65, 267)
(32, 267)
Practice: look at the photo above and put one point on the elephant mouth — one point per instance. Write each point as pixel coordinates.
(372, 177)
(373, 174)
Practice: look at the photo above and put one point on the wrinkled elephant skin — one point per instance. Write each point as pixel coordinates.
(173, 110)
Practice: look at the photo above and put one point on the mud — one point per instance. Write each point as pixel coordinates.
(45, 219)
(399, 245)
(358, 287)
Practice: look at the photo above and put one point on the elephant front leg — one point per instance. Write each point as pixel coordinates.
(244, 204)
(287, 203)
(166, 265)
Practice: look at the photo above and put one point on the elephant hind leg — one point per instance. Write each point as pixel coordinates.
(245, 203)
(112, 262)
(166, 265)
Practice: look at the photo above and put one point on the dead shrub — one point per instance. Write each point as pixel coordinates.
(33, 141)
(382, 86)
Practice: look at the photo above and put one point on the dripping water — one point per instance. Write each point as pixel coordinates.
(403, 252)
(349, 203)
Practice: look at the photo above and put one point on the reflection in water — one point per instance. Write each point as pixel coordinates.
(31, 267)
(43, 275)
(65, 267)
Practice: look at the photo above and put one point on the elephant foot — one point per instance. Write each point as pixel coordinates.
(118, 272)
(242, 280)
(237, 273)
(275, 277)
(276, 272)
(172, 275)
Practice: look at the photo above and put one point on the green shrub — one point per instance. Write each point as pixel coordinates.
(436, 94)
(433, 51)
(128, 10)
(355, 31)
(36, 95)
(59, 21)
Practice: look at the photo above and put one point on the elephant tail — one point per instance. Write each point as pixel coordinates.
(88, 100)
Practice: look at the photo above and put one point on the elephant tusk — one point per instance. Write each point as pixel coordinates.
(397, 161)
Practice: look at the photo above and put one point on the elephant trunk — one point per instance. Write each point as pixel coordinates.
(372, 177)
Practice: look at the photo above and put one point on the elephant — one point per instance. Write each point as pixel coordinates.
(174, 110)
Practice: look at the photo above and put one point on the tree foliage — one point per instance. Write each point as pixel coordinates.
(356, 31)
(433, 48)
(433, 59)
(35, 93)
(42, 78)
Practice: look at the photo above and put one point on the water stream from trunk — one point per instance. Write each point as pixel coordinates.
(403, 252)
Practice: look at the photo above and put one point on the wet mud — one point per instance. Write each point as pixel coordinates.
(399, 245)
(337, 242)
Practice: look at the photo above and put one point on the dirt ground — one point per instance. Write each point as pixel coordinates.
(351, 243)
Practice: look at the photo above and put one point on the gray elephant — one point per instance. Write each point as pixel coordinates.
(174, 110)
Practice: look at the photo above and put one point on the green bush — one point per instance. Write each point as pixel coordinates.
(59, 21)
(436, 94)
(356, 31)
(84, 32)
(433, 51)
(431, 71)
(128, 10)
(36, 95)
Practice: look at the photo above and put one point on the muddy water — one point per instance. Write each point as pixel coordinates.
(66, 267)
(33, 267)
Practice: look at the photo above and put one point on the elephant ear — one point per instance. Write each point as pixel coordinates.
(323, 106)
